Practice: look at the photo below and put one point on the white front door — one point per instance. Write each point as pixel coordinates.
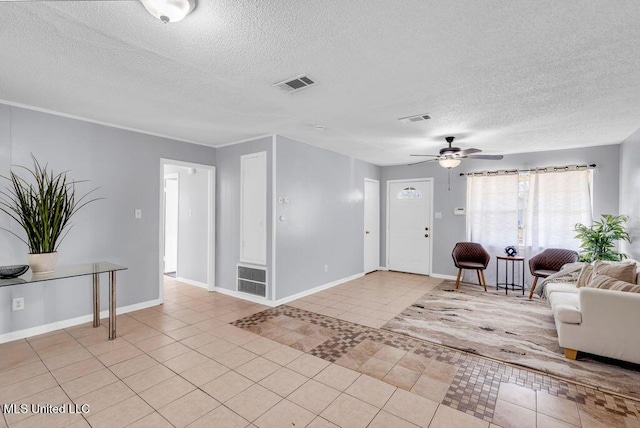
(409, 226)
(171, 224)
(371, 225)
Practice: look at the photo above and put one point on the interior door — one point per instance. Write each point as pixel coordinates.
(371, 225)
(253, 208)
(409, 222)
(171, 224)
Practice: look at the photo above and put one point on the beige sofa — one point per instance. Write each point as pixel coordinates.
(596, 321)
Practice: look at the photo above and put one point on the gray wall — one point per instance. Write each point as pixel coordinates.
(192, 222)
(451, 229)
(126, 167)
(324, 219)
(228, 209)
(630, 192)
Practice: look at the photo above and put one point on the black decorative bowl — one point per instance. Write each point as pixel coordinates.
(7, 272)
(511, 251)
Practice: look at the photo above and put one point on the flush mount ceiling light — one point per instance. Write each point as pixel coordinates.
(169, 10)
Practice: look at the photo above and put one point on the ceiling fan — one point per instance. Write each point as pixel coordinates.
(450, 157)
(165, 10)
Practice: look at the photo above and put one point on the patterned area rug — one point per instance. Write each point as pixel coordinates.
(508, 328)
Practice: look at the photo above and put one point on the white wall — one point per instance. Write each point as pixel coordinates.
(325, 217)
(451, 229)
(126, 167)
(228, 209)
(630, 192)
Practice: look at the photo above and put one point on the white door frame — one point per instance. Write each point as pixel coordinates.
(172, 176)
(364, 238)
(429, 181)
(211, 244)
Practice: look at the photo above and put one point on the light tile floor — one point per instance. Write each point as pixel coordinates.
(318, 362)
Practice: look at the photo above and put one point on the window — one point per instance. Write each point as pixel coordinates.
(409, 193)
(545, 207)
(556, 202)
(492, 211)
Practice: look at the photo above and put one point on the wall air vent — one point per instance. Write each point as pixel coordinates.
(252, 281)
(296, 83)
(416, 118)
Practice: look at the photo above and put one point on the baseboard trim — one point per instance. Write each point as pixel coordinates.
(192, 282)
(442, 276)
(271, 303)
(317, 289)
(46, 328)
(244, 296)
(383, 268)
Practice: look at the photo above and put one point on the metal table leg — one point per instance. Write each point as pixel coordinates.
(112, 305)
(96, 300)
(522, 277)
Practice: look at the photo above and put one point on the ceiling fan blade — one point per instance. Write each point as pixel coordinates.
(487, 157)
(463, 153)
(433, 156)
(424, 161)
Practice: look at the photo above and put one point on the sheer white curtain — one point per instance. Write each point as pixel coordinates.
(492, 215)
(557, 201)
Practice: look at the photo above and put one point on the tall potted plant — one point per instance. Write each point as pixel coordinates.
(598, 241)
(43, 206)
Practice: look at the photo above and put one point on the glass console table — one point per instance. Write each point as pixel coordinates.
(94, 269)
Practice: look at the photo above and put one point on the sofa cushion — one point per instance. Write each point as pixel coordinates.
(561, 287)
(570, 299)
(625, 271)
(606, 282)
(567, 313)
(585, 276)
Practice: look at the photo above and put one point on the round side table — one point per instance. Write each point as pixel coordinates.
(507, 283)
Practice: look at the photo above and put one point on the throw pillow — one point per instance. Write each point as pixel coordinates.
(624, 271)
(585, 276)
(606, 282)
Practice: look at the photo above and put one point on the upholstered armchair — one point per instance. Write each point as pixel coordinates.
(549, 262)
(471, 255)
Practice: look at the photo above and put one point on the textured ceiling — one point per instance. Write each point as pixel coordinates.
(504, 76)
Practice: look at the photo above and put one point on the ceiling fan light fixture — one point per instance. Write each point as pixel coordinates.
(169, 10)
(449, 162)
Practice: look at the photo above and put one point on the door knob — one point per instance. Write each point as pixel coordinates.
(426, 235)
(367, 232)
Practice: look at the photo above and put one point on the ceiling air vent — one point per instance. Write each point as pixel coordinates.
(416, 118)
(296, 83)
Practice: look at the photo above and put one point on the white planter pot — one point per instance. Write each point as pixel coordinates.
(42, 263)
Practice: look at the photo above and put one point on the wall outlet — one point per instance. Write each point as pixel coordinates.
(326, 268)
(17, 304)
(438, 215)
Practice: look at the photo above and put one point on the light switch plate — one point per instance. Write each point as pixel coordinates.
(138, 213)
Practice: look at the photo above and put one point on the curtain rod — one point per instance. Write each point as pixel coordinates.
(532, 170)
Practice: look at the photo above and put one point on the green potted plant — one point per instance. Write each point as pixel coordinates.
(598, 241)
(43, 206)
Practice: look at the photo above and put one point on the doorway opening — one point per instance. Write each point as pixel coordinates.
(371, 225)
(187, 224)
(171, 222)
